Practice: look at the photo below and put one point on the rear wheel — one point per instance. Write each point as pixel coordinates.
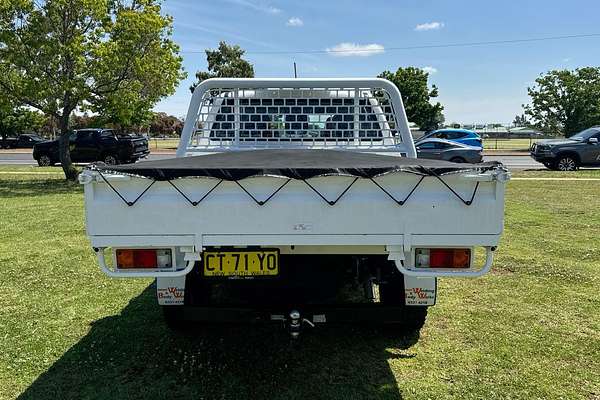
(566, 163)
(44, 161)
(110, 159)
(459, 160)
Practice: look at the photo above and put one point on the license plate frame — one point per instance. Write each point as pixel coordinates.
(221, 263)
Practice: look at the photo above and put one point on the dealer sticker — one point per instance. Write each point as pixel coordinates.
(170, 291)
(419, 291)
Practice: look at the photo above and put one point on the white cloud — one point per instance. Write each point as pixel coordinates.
(295, 21)
(430, 70)
(257, 6)
(429, 26)
(355, 49)
(566, 59)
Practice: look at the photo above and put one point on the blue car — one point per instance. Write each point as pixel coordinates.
(463, 136)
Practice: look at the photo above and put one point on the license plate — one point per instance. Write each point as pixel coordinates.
(241, 263)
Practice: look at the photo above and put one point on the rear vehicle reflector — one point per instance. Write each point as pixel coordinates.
(443, 258)
(143, 258)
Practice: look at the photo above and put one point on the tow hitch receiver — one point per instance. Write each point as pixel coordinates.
(293, 322)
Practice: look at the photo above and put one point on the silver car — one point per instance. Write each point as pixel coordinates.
(440, 149)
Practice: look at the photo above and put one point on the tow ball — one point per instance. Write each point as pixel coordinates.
(295, 321)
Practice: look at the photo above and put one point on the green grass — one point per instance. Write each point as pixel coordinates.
(164, 144)
(545, 173)
(507, 144)
(528, 330)
(489, 144)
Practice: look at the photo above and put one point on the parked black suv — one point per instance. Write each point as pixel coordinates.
(580, 150)
(27, 140)
(88, 145)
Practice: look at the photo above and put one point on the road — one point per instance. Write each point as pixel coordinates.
(511, 161)
(516, 162)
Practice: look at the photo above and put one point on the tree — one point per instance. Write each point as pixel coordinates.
(86, 121)
(565, 102)
(225, 62)
(17, 120)
(416, 95)
(520, 120)
(109, 56)
(163, 124)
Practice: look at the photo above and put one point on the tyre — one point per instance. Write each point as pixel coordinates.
(567, 163)
(458, 160)
(45, 161)
(110, 159)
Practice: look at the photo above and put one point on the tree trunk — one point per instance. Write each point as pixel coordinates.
(63, 148)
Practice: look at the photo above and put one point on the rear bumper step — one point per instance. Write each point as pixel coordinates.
(317, 314)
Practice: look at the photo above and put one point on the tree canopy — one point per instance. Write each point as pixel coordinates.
(520, 120)
(109, 56)
(416, 95)
(159, 123)
(565, 102)
(164, 124)
(16, 120)
(225, 62)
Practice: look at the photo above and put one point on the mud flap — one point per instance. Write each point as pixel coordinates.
(170, 291)
(420, 291)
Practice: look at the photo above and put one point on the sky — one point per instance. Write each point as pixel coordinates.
(477, 83)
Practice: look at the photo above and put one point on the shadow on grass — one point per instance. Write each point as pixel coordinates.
(11, 188)
(134, 355)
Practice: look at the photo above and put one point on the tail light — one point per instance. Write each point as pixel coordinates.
(443, 258)
(144, 258)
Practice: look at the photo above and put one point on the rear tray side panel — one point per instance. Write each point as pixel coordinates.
(296, 209)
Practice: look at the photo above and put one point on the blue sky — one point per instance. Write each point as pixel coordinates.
(476, 83)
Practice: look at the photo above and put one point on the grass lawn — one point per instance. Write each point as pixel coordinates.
(528, 330)
(163, 144)
(507, 144)
(489, 144)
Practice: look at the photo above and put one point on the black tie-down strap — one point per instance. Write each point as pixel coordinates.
(401, 202)
(196, 202)
(129, 203)
(330, 202)
(263, 202)
(466, 202)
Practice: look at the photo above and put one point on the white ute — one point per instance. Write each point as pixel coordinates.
(299, 201)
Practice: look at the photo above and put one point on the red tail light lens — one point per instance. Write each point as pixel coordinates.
(143, 258)
(443, 258)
